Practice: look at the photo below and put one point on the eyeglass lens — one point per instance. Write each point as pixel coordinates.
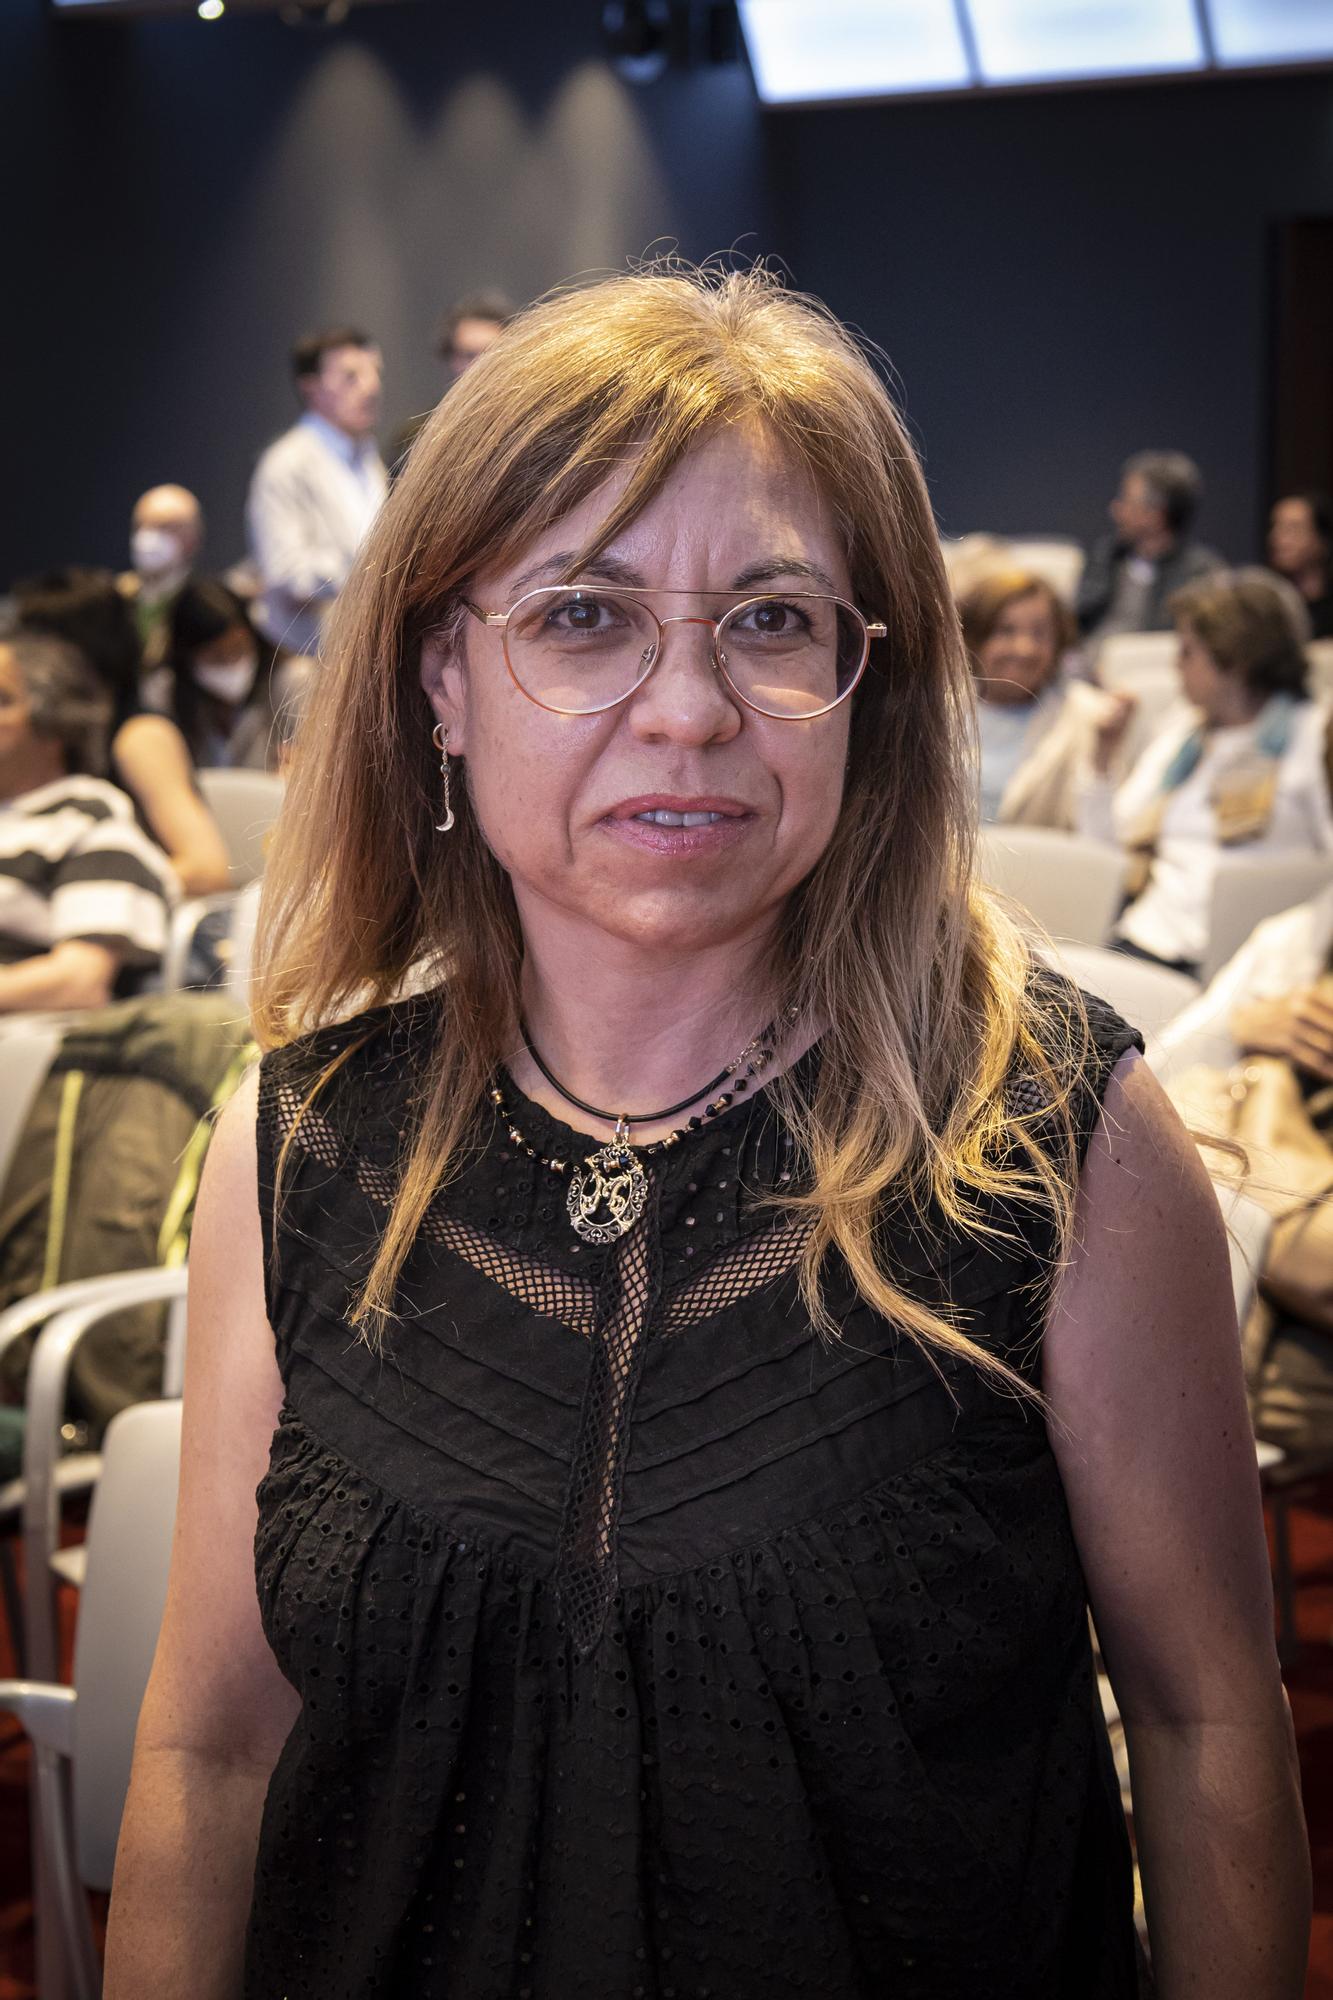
(583, 650)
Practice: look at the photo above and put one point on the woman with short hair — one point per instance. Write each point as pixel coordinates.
(1035, 727)
(644, 1336)
(1246, 772)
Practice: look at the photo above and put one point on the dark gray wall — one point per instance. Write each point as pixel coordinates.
(1058, 278)
(1062, 278)
(197, 194)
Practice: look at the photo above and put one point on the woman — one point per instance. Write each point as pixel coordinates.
(1248, 773)
(1300, 548)
(221, 684)
(83, 894)
(1035, 730)
(148, 754)
(666, 1580)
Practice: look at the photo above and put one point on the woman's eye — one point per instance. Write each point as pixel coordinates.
(775, 619)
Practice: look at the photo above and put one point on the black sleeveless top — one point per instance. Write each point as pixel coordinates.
(649, 1646)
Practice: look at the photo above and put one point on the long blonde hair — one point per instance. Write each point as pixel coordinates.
(924, 983)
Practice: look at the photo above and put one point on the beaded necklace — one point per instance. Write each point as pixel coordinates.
(608, 1192)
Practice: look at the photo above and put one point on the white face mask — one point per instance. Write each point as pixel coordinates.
(155, 551)
(229, 681)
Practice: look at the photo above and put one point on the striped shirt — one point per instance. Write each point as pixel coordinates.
(73, 864)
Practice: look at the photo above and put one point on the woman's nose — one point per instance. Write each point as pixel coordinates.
(685, 698)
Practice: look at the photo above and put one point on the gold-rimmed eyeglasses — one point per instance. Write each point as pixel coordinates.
(578, 649)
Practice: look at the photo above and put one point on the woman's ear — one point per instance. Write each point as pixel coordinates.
(444, 679)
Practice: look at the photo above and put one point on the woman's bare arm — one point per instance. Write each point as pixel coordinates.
(153, 762)
(1152, 1434)
(217, 1710)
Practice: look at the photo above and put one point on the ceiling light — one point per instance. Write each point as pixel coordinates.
(211, 10)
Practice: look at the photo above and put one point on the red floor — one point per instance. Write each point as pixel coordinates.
(1309, 1681)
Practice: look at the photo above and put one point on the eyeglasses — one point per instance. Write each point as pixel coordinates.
(579, 651)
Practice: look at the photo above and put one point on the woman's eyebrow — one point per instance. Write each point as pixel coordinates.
(560, 568)
(773, 567)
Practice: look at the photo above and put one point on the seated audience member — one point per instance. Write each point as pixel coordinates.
(166, 537)
(316, 490)
(471, 325)
(1300, 548)
(1275, 999)
(83, 893)
(222, 684)
(1131, 574)
(1247, 773)
(148, 754)
(1036, 729)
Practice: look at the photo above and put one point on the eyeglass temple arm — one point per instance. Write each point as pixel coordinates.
(485, 617)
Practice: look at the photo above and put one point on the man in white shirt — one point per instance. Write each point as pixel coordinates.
(317, 489)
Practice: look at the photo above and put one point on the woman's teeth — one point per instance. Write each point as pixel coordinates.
(662, 817)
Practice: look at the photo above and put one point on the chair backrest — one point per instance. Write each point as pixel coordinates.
(27, 1050)
(1073, 886)
(1149, 996)
(1127, 658)
(1319, 653)
(1054, 559)
(1249, 1226)
(1248, 888)
(1158, 704)
(245, 805)
(120, 1610)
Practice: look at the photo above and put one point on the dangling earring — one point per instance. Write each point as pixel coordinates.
(439, 736)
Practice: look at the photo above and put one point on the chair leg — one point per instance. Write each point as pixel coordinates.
(67, 1962)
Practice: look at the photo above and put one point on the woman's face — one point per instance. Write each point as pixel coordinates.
(1019, 658)
(562, 799)
(1202, 680)
(1293, 539)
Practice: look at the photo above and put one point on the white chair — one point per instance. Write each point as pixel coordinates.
(245, 805)
(27, 1050)
(1128, 658)
(1319, 653)
(66, 1311)
(1073, 886)
(185, 921)
(83, 1736)
(1248, 888)
(1149, 996)
(1053, 558)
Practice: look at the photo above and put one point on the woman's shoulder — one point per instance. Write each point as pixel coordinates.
(1083, 1038)
(365, 1070)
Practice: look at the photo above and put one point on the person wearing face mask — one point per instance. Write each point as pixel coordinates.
(316, 490)
(166, 537)
(222, 684)
(1035, 728)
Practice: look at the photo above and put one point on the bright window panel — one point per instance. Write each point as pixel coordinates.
(806, 51)
(1036, 41)
(1264, 31)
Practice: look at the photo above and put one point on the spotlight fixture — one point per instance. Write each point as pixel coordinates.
(637, 37)
(211, 10)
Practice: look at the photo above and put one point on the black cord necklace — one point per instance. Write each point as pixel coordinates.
(628, 1118)
(608, 1193)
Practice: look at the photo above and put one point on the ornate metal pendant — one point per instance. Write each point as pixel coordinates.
(608, 1192)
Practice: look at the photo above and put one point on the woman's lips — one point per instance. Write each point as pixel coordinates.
(679, 826)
